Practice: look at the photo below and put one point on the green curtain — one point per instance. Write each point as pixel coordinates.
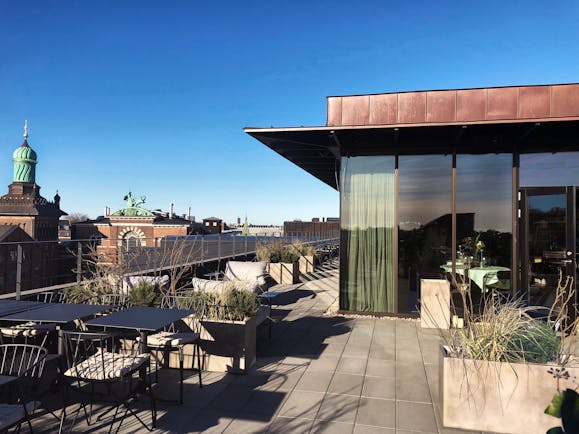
(367, 234)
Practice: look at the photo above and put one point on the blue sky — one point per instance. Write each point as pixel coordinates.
(152, 96)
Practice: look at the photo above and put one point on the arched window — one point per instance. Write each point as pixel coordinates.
(131, 240)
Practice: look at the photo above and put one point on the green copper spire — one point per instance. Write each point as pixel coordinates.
(24, 161)
(245, 230)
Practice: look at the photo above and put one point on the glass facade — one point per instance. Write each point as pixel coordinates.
(424, 223)
(549, 169)
(367, 204)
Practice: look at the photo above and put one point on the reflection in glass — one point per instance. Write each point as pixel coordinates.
(549, 170)
(367, 234)
(424, 223)
(484, 218)
(547, 245)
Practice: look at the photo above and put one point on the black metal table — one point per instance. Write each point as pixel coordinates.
(144, 320)
(59, 313)
(8, 306)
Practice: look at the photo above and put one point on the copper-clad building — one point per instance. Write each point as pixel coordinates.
(429, 180)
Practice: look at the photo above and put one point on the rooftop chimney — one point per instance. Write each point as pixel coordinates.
(171, 210)
(189, 213)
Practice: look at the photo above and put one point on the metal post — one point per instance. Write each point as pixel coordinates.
(233, 238)
(202, 250)
(246, 247)
(18, 271)
(219, 247)
(78, 262)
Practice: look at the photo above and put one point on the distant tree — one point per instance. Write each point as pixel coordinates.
(76, 217)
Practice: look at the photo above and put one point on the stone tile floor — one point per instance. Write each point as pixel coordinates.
(318, 374)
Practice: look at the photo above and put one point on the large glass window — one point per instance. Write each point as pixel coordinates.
(424, 223)
(484, 218)
(549, 170)
(367, 200)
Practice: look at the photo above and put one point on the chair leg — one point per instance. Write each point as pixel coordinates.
(181, 368)
(198, 350)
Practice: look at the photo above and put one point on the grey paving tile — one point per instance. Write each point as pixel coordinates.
(247, 426)
(416, 390)
(367, 429)
(346, 384)
(381, 368)
(282, 381)
(339, 408)
(352, 365)
(302, 404)
(414, 416)
(207, 421)
(288, 425)
(327, 427)
(232, 398)
(264, 403)
(356, 350)
(325, 363)
(383, 353)
(376, 387)
(315, 381)
(377, 412)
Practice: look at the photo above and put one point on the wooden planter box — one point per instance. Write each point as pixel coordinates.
(498, 396)
(307, 264)
(226, 346)
(284, 273)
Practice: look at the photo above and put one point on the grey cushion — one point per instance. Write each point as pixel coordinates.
(247, 275)
(171, 339)
(216, 286)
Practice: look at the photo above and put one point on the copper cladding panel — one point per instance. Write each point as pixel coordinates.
(383, 109)
(471, 104)
(565, 100)
(441, 106)
(534, 102)
(334, 111)
(502, 103)
(411, 107)
(355, 110)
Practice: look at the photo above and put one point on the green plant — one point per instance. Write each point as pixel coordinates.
(84, 293)
(145, 294)
(232, 304)
(565, 405)
(504, 332)
(289, 255)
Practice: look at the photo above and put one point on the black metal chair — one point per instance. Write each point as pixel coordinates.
(100, 370)
(26, 362)
(27, 333)
(176, 336)
(51, 297)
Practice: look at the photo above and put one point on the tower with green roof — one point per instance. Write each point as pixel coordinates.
(24, 159)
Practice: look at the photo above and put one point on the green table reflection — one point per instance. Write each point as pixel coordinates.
(481, 276)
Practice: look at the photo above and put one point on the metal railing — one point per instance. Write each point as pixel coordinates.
(37, 266)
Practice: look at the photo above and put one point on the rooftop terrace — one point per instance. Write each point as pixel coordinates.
(319, 373)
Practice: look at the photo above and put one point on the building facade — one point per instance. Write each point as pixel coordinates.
(430, 180)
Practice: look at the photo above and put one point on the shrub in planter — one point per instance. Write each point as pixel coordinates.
(282, 261)
(145, 294)
(84, 293)
(496, 373)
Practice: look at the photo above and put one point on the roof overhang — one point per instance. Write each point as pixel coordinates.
(317, 150)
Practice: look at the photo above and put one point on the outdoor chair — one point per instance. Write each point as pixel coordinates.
(176, 336)
(117, 301)
(27, 333)
(26, 362)
(51, 297)
(100, 370)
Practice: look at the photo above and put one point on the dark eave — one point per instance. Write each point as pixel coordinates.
(317, 150)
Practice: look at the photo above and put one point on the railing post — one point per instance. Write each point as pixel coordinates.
(78, 262)
(202, 250)
(219, 247)
(18, 271)
(233, 238)
(246, 247)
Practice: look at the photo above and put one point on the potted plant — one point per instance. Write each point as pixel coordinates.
(496, 373)
(307, 260)
(145, 294)
(282, 260)
(228, 330)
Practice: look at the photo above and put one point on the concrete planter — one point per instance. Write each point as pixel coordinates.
(307, 264)
(283, 272)
(497, 396)
(434, 303)
(226, 346)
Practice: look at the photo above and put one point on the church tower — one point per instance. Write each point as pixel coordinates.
(23, 206)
